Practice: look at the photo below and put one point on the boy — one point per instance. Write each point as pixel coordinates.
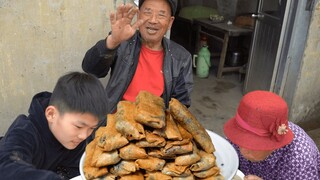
(49, 142)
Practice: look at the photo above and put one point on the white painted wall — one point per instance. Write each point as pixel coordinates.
(40, 40)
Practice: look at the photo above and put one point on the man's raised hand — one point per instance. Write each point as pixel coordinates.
(121, 25)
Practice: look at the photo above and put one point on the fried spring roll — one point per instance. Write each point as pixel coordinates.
(91, 172)
(135, 176)
(102, 158)
(123, 168)
(191, 177)
(171, 130)
(207, 161)
(214, 171)
(177, 149)
(156, 175)
(132, 152)
(218, 177)
(188, 159)
(150, 110)
(125, 123)
(171, 169)
(152, 140)
(108, 137)
(150, 164)
(184, 117)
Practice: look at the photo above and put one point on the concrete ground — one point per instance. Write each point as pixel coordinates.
(214, 101)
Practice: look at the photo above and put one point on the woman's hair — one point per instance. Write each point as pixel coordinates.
(80, 93)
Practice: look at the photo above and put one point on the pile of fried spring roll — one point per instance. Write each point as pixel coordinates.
(144, 140)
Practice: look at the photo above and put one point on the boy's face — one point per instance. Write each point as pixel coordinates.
(70, 129)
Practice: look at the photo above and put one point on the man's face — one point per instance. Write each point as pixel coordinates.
(159, 20)
(254, 155)
(70, 129)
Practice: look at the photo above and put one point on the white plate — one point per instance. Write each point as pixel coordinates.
(81, 166)
(77, 178)
(136, 2)
(227, 158)
(240, 174)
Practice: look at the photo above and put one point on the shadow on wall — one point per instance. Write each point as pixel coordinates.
(312, 120)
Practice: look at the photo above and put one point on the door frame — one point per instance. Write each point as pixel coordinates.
(280, 71)
(282, 62)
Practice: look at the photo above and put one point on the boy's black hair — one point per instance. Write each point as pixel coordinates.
(81, 93)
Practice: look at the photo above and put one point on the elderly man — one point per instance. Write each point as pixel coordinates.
(140, 57)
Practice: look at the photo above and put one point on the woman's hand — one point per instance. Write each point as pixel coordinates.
(252, 177)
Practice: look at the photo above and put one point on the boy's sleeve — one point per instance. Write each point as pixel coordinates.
(17, 155)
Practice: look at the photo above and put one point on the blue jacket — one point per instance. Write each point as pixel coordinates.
(30, 151)
(123, 61)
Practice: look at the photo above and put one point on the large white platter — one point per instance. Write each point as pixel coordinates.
(227, 158)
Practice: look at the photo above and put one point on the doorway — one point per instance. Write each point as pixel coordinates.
(264, 46)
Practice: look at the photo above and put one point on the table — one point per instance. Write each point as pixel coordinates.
(209, 28)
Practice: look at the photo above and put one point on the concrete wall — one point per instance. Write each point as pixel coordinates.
(40, 40)
(306, 100)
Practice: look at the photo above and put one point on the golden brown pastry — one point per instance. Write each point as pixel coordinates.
(125, 123)
(91, 172)
(157, 153)
(207, 161)
(214, 177)
(142, 140)
(177, 143)
(177, 149)
(108, 137)
(123, 168)
(184, 117)
(154, 175)
(171, 130)
(150, 110)
(188, 159)
(191, 177)
(150, 164)
(149, 98)
(90, 148)
(184, 133)
(94, 172)
(171, 169)
(132, 152)
(102, 158)
(100, 131)
(109, 176)
(159, 132)
(152, 140)
(112, 140)
(135, 176)
(214, 171)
